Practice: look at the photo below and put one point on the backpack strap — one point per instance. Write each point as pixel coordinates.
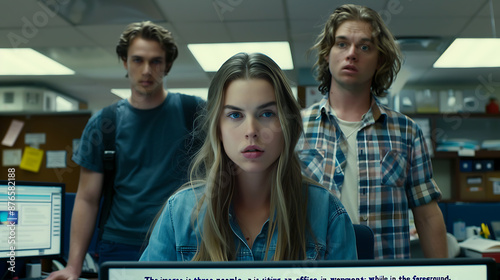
(108, 129)
(190, 108)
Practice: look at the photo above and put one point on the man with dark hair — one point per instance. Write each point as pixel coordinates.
(373, 158)
(151, 152)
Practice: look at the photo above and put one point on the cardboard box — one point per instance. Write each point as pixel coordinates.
(493, 186)
(472, 186)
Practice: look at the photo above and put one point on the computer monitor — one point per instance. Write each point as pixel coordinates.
(409, 269)
(31, 219)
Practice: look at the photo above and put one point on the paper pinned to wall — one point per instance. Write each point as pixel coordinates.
(12, 133)
(11, 157)
(32, 159)
(34, 139)
(56, 159)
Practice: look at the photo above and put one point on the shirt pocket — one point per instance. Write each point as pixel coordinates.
(186, 253)
(313, 161)
(315, 251)
(394, 169)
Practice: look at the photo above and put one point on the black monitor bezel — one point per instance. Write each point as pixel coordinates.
(63, 198)
(491, 265)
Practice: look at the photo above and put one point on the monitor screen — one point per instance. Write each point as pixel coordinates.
(31, 219)
(412, 269)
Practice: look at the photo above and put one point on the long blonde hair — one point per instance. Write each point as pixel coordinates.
(212, 168)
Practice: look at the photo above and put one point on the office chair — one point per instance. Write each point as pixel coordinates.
(365, 242)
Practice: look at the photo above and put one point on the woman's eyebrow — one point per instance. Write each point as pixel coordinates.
(265, 105)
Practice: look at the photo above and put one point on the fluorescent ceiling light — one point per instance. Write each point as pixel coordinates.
(26, 61)
(121, 92)
(212, 56)
(200, 92)
(470, 53)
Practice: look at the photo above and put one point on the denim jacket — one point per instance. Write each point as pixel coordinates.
(175, 235)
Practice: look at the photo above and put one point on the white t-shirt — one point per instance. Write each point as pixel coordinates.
(349, 195)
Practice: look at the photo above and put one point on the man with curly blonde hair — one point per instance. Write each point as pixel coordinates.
(373, 158)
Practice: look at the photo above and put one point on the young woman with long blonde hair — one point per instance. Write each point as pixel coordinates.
(247, 198)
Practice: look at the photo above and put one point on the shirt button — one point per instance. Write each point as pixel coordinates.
(365, 218)
(338, 170)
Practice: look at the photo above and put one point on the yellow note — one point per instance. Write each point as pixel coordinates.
(32, 159)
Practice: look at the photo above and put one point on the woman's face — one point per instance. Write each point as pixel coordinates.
(249, 125)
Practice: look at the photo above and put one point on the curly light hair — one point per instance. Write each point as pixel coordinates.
(389, 52)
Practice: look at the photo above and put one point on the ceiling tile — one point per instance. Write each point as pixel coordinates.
(263, 10)
(83, 12)
(181, 11)
(426, 26)
(203, 32)
(29, 14)
(109, 34)
(312, 10)
(257, 31)
(46, 37)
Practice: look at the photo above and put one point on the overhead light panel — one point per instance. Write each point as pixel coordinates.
(121, 92)
(470, 53)
(25, 61)
(212, 56)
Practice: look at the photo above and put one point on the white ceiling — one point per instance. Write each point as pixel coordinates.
(82, 35)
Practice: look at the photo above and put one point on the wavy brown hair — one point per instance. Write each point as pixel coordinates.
(148, 31)
(390, 54)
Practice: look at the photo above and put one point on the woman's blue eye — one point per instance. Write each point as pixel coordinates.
(365, 48)
(234, 115)
(268, 114)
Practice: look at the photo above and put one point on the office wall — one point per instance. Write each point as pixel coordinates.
(60, 130)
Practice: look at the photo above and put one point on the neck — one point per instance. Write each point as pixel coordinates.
(253, 191)
(147, 101)
(350, 104)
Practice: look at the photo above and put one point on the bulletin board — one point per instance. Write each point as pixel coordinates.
(60, 131)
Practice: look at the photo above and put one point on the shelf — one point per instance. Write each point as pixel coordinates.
(452, 115)
(483, 154)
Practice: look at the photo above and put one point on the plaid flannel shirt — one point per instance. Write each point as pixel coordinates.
(395, 171)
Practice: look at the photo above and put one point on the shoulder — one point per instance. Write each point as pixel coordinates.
(391, 113)
(311, 111)
(399, 120)
(95, 121)
(117, 108)
(187, 100)
(322, 204)
(187, 197)
(318, 194)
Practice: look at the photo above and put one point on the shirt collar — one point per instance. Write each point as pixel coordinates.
(324, 107)
(377, 111)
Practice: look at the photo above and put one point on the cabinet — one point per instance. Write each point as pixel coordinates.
(474, 173)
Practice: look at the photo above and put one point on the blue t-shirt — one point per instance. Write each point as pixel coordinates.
(151, 163)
